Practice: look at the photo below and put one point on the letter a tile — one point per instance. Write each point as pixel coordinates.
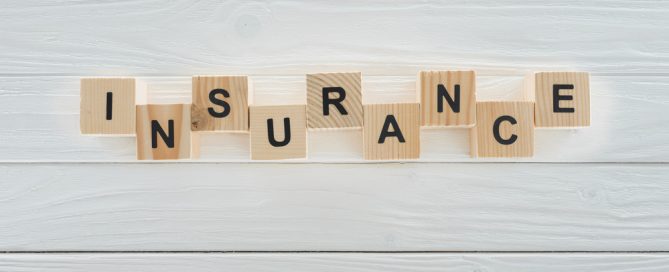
(391, 131)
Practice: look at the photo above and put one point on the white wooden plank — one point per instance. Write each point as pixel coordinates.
(316, 262)
(295, 37)
(39, 120)
(323, 207)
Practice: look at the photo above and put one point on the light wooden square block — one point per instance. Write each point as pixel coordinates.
(163, 132)
(220, 103)
(278, 132)
(562, 99)
(334, 100)
(107, 106)
(447, 98)
(391, 131)
(503, 129)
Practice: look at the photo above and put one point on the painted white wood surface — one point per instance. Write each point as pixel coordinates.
(187, 37)
(73, 203)
(40, 121)
(453, 262)
(321, 207)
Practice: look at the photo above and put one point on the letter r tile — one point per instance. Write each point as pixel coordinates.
(334, 100)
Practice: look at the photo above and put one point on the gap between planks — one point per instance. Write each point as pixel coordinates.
(325, 252)
(198, 162)
(598, 74)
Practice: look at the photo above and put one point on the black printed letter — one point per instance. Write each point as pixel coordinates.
(167, 138)
(442, 94)
(225, 105)
(390, 120)
(286, 132)
(109, 105)
(327, 101)
(557, 97)
(495, 130)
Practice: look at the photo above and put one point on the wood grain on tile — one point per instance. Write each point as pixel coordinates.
(562, 99)
(220, 103)
(447, 98)
(503, 129)
(403, 123)
(270, 137)
(163, 132)
(344, 92)
(107, 106)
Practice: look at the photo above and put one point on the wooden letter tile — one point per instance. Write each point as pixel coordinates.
(562, 99)
(503, 129)
(278, 132)
(107, 106)
(163, 132)
(391, 131)
(447, 98)
(220, 103)
(334, 100)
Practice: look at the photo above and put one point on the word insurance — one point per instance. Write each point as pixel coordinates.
(334, 100)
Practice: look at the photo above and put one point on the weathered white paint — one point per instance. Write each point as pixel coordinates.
(316, 207)
(454, 262)
(40, 121)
